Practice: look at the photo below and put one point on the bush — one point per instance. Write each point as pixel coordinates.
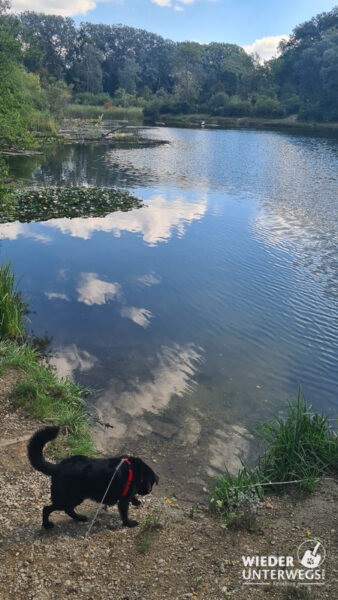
(152, 109)
(87, 98)
(218, 103)
(267, 107)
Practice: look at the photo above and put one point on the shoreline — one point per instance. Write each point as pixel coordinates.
(205, 121)
(178, 551)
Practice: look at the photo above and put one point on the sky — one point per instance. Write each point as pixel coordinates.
(257, 25)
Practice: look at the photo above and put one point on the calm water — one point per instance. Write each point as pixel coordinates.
(199, 314)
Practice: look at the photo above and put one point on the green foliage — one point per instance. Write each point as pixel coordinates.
(44, 396)
(267, 107)
(58, 96)
(87, 98)
(236, 497)
(13, 308)
(300, 446)
(28, 205)
(134, 70)
(79, 111)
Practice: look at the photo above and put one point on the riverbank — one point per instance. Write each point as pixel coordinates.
(177, 552)
(212, 122)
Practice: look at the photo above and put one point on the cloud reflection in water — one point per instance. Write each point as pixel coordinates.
(156, 222)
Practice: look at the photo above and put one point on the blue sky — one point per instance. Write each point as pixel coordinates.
(236, 21)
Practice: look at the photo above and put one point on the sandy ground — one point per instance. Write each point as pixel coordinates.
(189, 556)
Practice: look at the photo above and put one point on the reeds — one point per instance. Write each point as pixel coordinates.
(13, 309)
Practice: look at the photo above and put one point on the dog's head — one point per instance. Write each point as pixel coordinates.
(147, 478)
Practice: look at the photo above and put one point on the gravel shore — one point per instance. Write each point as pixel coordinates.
(188, 555)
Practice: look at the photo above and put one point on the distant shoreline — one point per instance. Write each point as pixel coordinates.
(216, 122)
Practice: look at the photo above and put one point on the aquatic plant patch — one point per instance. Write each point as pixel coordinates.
(42, 204)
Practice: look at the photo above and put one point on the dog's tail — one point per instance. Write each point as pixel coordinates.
(35, 447)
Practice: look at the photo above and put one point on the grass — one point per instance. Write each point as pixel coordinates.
(44, 396)
(81, 111)
(38, 390)
(13, 308)
(145, 537)
(236, 498)
(300, 447)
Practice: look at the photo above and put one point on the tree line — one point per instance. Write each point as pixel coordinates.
(45, 62)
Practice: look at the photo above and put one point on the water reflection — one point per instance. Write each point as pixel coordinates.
(233, 252)
(156, 222)
(140, 316)
(70, 359)
(127, 409)
(11, 231)
(92, 290)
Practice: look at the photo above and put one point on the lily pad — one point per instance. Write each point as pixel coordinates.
(43, 204)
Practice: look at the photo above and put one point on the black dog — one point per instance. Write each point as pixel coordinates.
(79, 477)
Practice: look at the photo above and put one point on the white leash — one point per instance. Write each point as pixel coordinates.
(102, 501)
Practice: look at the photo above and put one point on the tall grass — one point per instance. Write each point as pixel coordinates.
(82, 111)
(13, 308)
(300, 447)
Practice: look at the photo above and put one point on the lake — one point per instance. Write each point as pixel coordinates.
(200, 314)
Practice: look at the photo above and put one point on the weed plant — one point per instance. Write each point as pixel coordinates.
(236, 498)
(150, 527)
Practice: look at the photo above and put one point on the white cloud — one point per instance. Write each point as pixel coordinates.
(54, 295)
(149, 279)
(54, 7)
(92, 290)
(156, 222)
(266, 47)
(68, 359)
(162, 2)
(177, 7)
(140, 316)
(11, 231)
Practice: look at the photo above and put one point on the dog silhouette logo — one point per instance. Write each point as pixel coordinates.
(311, 554)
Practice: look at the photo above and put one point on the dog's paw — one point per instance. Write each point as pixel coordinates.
(131, 524)
(136, 502)
(48, 525)
(82, 518)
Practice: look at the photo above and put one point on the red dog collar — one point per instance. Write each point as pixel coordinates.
(130, 477)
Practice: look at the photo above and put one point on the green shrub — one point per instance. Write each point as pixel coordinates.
(267, 107)
(236, 497)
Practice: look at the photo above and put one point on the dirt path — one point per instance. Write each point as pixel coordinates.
(186, 558)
